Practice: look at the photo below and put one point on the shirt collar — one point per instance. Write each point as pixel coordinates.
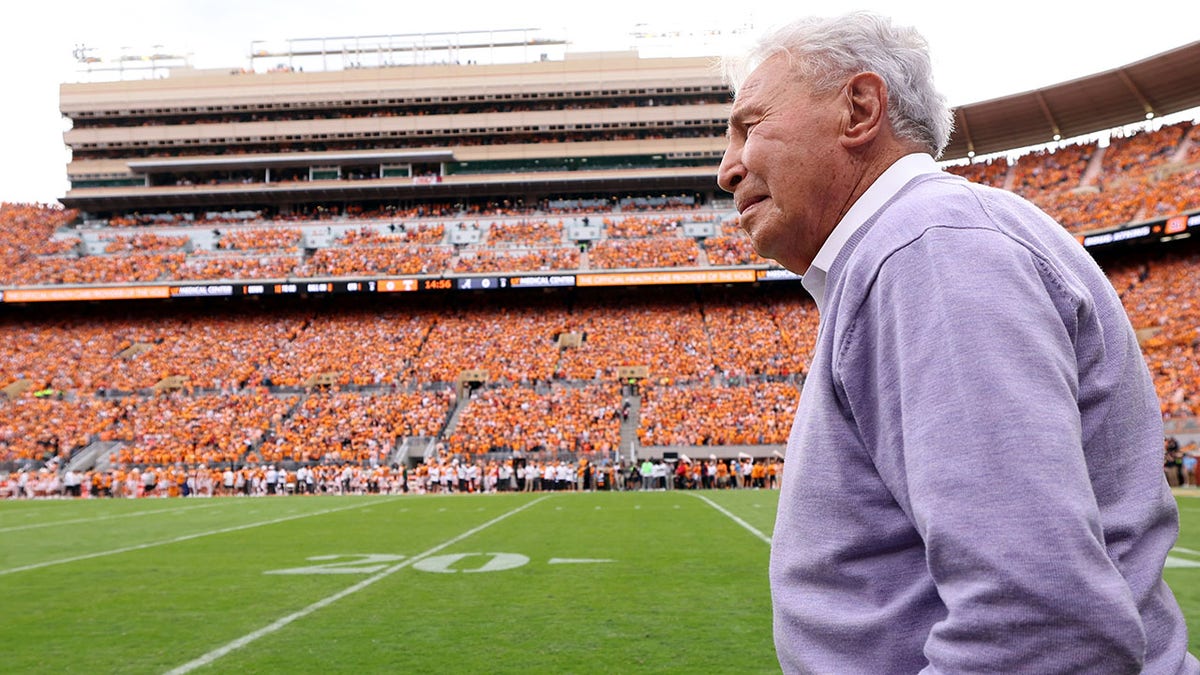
(884, 188)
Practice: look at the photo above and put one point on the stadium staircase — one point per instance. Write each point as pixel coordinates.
(95, 456)
(629, 425)
(452, 421)
(1010, 178)
(1178, 162)
(1180, 155)
(270, 433)
(1095, 166)
(415, 447)
(400, 452)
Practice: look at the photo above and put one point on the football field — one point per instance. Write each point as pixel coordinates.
(562, 583)
(566, 582)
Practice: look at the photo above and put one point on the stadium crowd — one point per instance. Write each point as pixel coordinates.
(1136, 176)
(715, 358)
(519, 419)
(518, 260)
(360, 260)
(190, 387)
(334, 389)
(1086, 186)
(434, 476)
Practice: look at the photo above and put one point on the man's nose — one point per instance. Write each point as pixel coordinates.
(731, 171)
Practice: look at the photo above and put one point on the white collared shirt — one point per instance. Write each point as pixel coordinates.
(884, 188)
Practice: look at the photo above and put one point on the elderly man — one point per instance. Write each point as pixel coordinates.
(973, 480)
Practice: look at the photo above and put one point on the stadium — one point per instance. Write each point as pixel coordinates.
(485, 338)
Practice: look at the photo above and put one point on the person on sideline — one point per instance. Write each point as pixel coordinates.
(973, 478)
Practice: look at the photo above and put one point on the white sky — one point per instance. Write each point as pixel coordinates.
(980, 50)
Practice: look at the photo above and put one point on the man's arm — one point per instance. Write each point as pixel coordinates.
(961, 373)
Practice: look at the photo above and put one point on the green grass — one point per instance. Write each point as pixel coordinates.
(683, 588)
(1185, 581)
(671, 583)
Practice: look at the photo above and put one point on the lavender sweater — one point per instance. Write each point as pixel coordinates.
(974, 477)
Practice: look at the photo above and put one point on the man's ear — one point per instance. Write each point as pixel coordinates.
(866, 103)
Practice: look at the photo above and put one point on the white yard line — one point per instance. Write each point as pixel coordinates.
(753, 530)
(175, 540)
(295, 616)
(99, 518)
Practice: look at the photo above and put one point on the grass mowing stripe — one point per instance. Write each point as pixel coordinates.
(753, 530)
(98, 518)
(295, 616)
(174, 540)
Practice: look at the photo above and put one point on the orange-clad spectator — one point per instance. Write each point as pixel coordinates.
(232, 267)
(136, 351)
(1191, 144)
(641, 227)
(1140, 153)
(1053, 169)
(146, 241)
(993, 172)
(644, 253)
(576, 419)
(732, 249)
(754, 334)
(758, 475)
(526, 232)
(512, 344)
(356, 346)
(518, 260)
(96, 269)
(342, 427)
(753, 414)
(23, 229)
(413, 233)
(207, 429)
(360, 260)
(664, 333)
(274, 239)
(47, 428)
(58, 246)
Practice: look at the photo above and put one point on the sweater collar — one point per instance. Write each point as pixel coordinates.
(883, 189)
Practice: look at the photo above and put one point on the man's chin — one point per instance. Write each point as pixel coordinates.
(768, 253)
(757, 242)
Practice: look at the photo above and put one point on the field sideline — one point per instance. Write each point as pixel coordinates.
(567, 582)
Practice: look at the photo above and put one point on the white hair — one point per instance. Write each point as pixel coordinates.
(826, 51)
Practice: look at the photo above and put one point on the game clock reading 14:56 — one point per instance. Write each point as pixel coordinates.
(437, 284)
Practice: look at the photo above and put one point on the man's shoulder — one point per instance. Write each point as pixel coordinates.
(942, 223)
(938, 200)
(944, 202)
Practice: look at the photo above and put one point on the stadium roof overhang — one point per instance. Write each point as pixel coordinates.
(1160, 85)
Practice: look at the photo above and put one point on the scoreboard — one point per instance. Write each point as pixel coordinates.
(417, 284)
